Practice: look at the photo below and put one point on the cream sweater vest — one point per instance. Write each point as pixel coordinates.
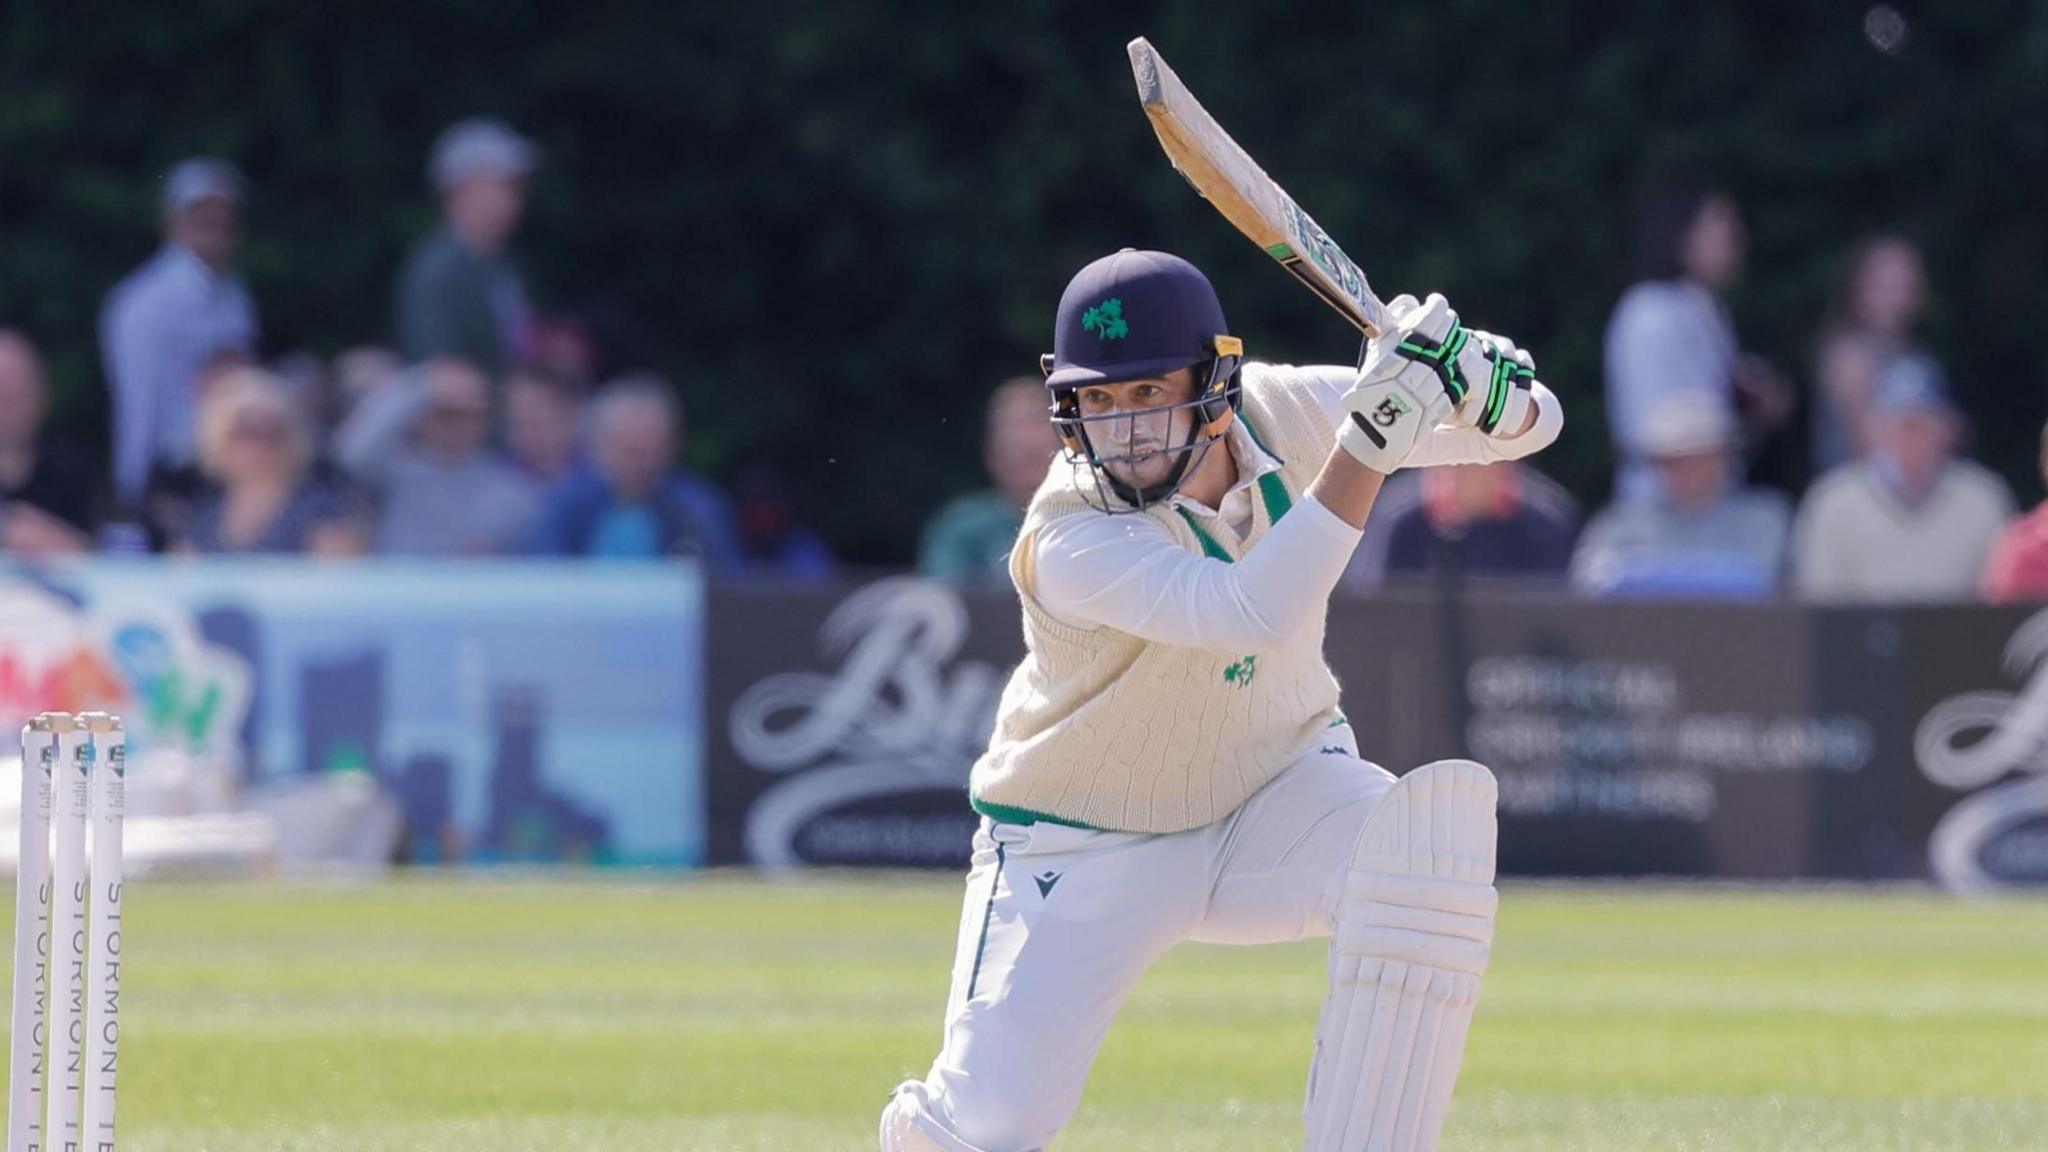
(1102, 729)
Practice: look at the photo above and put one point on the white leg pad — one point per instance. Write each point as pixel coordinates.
(909, 1126)
(1413, 934)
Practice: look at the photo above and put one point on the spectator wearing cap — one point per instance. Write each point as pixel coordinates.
(1698, 535)
(2017, 569)
(459, 294)
(635, 502)
(420, 444)
(48, 486)
(969, 540)
(171, 319)
(1912, 521)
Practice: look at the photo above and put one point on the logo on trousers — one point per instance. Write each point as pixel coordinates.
(1045, 881)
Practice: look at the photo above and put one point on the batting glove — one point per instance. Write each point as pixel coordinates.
(1412, 379)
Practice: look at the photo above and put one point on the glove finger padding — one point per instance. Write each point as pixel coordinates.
(1402, 389)
(1503, 379)
(1430, 334)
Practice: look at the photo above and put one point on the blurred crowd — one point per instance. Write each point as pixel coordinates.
(1897, 511)
(485, 428)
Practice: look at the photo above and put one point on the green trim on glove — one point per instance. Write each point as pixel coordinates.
(1508, 375)
(1441, 356)
(1497, 393)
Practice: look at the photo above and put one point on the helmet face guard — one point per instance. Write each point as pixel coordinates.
(1119, 448)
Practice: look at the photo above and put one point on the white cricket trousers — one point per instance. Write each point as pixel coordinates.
(1059, 923)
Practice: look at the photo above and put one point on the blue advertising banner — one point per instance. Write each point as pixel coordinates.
(528, 710)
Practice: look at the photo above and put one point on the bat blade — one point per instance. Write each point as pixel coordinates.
(1230, 179)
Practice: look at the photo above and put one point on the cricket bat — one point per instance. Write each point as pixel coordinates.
(1231, 180)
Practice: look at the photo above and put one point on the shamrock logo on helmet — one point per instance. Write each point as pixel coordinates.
(1106, 320)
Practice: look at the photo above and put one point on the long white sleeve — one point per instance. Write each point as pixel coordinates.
(1128, 573)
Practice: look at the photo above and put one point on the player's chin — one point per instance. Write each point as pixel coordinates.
(1141, 474)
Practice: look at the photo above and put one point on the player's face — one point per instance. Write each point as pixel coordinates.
(1134, 425)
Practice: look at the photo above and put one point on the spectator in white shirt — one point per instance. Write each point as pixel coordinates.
(170, 319)
(1910, 522)
(1669, 333)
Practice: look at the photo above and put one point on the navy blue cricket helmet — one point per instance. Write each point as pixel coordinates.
(1134, 315)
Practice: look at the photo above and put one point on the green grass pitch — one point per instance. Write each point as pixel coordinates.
(735, 1013)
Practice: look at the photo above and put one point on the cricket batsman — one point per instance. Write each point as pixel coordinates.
(1170, 761)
